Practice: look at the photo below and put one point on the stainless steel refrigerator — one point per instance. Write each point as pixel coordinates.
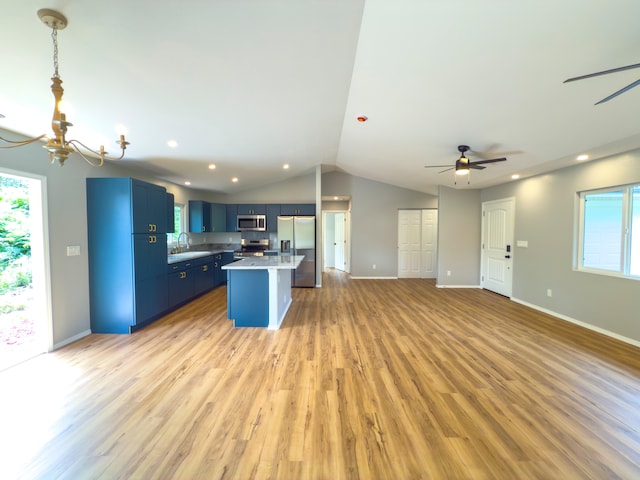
(298, 236)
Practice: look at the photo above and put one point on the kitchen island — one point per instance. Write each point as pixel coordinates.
(259, 290)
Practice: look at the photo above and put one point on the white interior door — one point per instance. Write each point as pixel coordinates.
(409, 244)
(339, 241)
(429, 243)
(497, 245)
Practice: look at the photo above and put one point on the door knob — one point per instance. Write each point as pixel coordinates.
(507, 256)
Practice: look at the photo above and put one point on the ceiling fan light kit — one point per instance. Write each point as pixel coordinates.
(57, 145)
(463, 165)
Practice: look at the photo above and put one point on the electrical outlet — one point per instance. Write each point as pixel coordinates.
(374, 266)
(448, 273)
(549, 292)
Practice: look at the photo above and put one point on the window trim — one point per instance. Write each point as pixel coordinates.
(625, 234)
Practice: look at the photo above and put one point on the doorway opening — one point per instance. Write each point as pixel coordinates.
(25, 326)
(336, 241)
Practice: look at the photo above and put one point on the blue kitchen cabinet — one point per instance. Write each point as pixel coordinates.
(252, 209)
(227, 257)
(244, 284)
(232, 214)
(149, 203)
(217, 270)
(204, 275)
(199, 216)
(181, 284)
(171, 218)
(273, 210)
(298, 209)
(218, 217)
(127, 268)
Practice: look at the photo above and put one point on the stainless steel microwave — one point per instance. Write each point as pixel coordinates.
(251, 223)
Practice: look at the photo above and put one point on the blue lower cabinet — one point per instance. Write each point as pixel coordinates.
(150, 299)
(181, 287)
(248, 298)
(204, 277)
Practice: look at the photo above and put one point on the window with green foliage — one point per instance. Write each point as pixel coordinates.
(610, 231)
(15, 243)
(178, 217)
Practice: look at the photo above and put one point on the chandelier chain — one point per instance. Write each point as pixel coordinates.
(54, 36)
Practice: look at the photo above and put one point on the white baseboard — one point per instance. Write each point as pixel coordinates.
(71, 339)
(458, 286)
(608, 333)
(374, 278)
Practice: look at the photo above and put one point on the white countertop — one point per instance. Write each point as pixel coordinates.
(281, 262)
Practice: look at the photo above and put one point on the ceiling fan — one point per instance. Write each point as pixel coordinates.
(605, 72)
(463, 164)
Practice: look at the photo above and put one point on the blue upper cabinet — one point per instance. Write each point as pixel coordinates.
(148, 207)
(273, 210)
(298, 209)
(232, 213)
(218, 217)
(171, 218)
(252, 209)
(199, 216)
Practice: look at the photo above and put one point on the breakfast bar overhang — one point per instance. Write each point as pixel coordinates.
(259, 290)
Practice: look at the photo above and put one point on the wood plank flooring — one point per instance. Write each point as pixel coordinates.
(368, 379)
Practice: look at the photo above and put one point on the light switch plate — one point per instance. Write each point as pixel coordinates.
(522, 243)
(73, 250)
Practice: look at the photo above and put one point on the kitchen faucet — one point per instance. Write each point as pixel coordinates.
(186, 243)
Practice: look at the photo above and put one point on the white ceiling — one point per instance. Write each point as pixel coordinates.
(252, 84)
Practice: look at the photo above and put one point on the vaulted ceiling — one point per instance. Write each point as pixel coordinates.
(252, 85)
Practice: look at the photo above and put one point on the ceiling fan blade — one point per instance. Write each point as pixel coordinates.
(450, 168)
(437, 166)
(622, 90)
(476, 167)
(492, 160)
(604, 72)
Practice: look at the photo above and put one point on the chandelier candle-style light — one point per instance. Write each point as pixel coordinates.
(58, 146)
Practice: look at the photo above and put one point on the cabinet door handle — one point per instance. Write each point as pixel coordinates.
(153, 227)
(183, 274)
(205, 268)
(153, 239)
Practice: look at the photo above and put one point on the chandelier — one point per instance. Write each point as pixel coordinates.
(57, 145)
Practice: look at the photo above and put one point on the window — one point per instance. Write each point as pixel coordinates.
(178, 217)
(610, 231)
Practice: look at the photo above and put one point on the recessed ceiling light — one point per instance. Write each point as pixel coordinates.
(172, 143)
(515, 176)
(212, 167)
(285, 166)
(234, 179)
(582, 158)
(187, 182)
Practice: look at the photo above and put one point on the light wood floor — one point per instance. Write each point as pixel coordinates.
(371, 379)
